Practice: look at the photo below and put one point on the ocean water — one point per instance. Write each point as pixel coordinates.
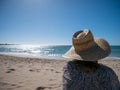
(55, 51)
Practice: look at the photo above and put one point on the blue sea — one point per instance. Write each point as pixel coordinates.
(53, 51)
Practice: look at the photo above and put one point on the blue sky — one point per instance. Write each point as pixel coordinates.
(55, 21)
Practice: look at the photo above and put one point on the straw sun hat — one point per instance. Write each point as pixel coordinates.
(87, 48)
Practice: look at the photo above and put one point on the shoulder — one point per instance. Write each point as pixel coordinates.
(108, 72)
(106, 69)
(110, 76)
(70, 67)
(69, 71)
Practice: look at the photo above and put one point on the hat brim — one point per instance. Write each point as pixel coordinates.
(99, 50)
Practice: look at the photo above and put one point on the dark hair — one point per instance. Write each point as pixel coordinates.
(92, 65)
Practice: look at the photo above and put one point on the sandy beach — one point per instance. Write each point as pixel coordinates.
(26, 73)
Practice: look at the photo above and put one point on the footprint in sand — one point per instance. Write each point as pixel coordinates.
(31, 70)
(10, 70)
(37, 70)
(40, 88)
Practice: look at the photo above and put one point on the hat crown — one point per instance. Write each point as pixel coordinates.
(82, 40)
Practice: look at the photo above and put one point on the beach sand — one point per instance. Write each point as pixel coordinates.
(25, 73)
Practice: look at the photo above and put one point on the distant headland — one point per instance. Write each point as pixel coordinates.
(8, 44)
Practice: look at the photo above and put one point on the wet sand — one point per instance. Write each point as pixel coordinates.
(26, 73)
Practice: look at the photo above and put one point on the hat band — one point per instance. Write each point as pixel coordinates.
(88, 49)
(89, 41)
(83, 46)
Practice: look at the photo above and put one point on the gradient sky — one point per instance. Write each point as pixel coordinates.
(55, 21)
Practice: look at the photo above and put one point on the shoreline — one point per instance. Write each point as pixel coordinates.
(32, 56)
(44, 57)
(30, 73)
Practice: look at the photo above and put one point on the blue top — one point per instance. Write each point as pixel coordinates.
(102, 79)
